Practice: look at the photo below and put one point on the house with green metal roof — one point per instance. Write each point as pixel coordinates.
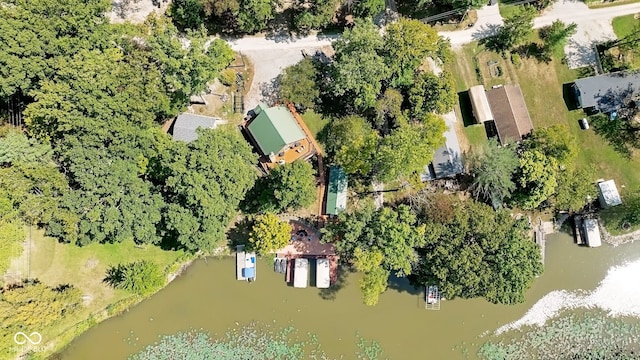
(274, 129)
(336, 191)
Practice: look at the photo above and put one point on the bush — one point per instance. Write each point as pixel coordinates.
(516, 60)
(227, 77)
(140, 277)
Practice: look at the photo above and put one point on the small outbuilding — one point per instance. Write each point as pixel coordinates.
(336, 191)
(186, 125)
(480, 104)
(608, 195)
(592, 232)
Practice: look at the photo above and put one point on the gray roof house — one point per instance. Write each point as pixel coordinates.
(607, 92)
(608, 195)
(185, 126)
(447, 160)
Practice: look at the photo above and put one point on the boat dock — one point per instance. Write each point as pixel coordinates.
(577, 230)
(245, 264)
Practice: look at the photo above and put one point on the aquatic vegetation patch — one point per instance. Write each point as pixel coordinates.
(589, 336)
(253, 342)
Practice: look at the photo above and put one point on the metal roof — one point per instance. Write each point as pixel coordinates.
(447, 159)
(510, 113)
(608, 92)
(274, 128)
(609, 195)
(336, 191)
(480, 104)
(186, 124)
(592, 232)
(323, 273)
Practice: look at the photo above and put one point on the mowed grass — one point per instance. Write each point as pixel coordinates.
(623, 25)
(315, 122)
(546, 89)
(54, 263)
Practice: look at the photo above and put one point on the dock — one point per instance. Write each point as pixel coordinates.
(245, 264)
(540, 237)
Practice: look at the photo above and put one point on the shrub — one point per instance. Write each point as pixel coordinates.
(515, 60)
(227, 77)
(140, 277)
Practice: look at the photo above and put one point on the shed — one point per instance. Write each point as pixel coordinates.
(510, 113)
(608, 194)
(185, 126)
(274, 128)
(336, 191)
(301, 273)
(592, 232)
(480, 104)
(323, 273)
(607, 92)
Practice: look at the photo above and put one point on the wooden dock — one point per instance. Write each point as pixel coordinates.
(541, 240)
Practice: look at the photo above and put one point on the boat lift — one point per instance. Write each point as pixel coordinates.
(431, 298)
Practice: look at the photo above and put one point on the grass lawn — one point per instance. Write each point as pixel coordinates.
(54, 263)
(623, 25)
(550, 101)
(477, 136)
(314, 122)
(507, 10)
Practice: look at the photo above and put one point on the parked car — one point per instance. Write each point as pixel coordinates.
(584, 124)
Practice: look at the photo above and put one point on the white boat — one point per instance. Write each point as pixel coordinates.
(432, 294)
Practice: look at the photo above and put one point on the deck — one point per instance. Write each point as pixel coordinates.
(240, 260)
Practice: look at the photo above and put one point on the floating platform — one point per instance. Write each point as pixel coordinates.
(245, 264)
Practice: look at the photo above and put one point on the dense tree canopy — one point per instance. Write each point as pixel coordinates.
(204, 182)
(407, 43)
(365, 235)
(576, 188)
(555, 141)
(493, 172)
(431, 93)
(352, 143)
(478, 252)
(298, 84)
(537, 179)
(269, 234)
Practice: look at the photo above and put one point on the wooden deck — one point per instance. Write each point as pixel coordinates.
(240, 258)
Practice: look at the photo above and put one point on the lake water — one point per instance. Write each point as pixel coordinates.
(207, 296)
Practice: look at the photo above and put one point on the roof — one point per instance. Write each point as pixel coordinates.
(592, 232)
(480, 104)
(510, 113)
(608, 92)
(249, 272)
(609, 195)
(300, 273)
(447, 159)
(323, 273)
(336, 191)
(273, 128)
(186, 124)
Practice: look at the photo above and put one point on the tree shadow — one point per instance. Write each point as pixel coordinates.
(238, 234)
(618, 133)
(403, 285)
(341, 282)
(466, 108)
(485, 33)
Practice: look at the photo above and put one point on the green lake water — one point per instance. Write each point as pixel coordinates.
(207, 296)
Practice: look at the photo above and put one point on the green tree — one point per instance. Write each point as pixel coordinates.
(269, 234)
(38, 35)
(254, 15)
(368, 8)
(536, 178)
(187, 14)
(555, 35)
(389, 112)
(352, 143)
(203, 183)
(515, 30)
(139, 277)
(358, 69)
(479, 252)
(293, 186)
(575, 189)
(11, 238)
(493, 172)
(431, 93)
(555, 141)
(16, 147)
(377, 242)
(313, 14)
(374, 278)
(407, 43)
(408, 149)
(298, 84)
